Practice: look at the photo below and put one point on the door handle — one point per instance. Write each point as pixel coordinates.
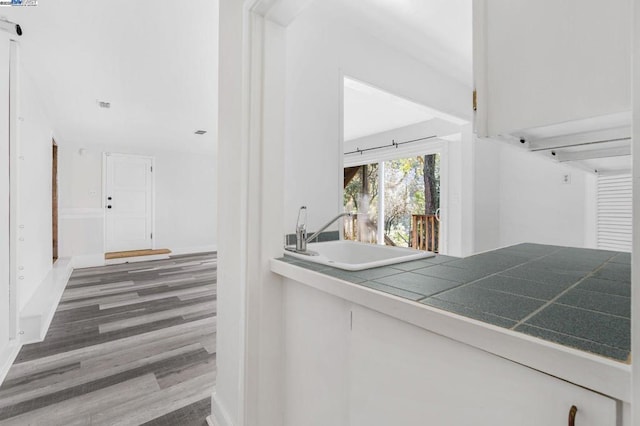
(109, 206)
(109, 198)
(572, 415)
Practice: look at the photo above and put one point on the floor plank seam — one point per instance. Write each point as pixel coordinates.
(147, 326)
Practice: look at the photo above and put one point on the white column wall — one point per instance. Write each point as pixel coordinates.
(635, 260)
(5, 198)
(228, 400)
(34, 192)
(486, 193)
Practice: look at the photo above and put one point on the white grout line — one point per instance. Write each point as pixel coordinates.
(550, 302)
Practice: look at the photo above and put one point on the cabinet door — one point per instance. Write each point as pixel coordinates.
(404, 375)
(544, 62)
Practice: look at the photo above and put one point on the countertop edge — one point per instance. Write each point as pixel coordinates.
(597, 373)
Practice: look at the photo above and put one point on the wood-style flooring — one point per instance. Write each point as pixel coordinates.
(129, 344)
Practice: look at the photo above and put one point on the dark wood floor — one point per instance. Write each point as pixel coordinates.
(129, 344)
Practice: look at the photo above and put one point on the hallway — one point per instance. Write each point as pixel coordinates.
(129, 344)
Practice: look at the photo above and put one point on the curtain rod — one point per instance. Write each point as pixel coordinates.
(393, 144)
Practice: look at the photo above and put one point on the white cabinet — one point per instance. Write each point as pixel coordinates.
(347, 365)
(404, 375)
(544, 62)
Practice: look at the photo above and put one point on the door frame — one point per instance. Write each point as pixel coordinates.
(54, 199)
(104, 195)
(14, 188)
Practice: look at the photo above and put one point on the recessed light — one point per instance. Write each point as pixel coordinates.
(200, 132)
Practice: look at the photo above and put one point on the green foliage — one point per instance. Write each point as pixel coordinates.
(353, 191)
(404, 195)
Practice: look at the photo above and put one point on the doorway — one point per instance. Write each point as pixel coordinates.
(128, 202)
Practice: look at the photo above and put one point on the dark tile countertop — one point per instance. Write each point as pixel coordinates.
(579, 298)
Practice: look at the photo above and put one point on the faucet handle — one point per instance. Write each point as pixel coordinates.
(301, 230)
(302, 225)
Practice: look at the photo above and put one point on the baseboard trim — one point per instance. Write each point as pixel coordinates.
(197, 249)
(8, 356)
(219, 415)
(136, 259)
(62, 273)
(97, 259)
(37, 314)
(87, 260)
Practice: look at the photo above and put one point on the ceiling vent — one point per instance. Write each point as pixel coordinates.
(200, 132)
(103, 104)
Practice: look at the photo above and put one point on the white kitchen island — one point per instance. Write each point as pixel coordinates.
(358, 356)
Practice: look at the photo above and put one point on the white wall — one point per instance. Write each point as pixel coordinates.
(591, 211)
(461, 215)
(486, 195)
(535, 204)
(249, 331)
(5, 199)
(321, 48)
(185, 203)
(435, 127)
(520, 197)
(228, 400)
(34, 192)
(635, 255)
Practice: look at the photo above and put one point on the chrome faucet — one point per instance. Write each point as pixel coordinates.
(326, 225)
(301, 231)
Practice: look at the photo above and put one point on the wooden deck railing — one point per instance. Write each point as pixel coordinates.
(424, 232)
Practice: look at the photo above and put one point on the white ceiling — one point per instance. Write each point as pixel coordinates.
(155, 61)
(436, 32)
(369, 110)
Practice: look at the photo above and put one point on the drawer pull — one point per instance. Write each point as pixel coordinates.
(572, 415)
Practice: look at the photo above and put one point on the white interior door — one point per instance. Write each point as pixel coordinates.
(128, 202)
(5, 253)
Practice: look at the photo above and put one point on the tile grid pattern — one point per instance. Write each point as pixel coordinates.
(129, 344)
(576, 297)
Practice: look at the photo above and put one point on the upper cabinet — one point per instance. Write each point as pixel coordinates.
(548, 68)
